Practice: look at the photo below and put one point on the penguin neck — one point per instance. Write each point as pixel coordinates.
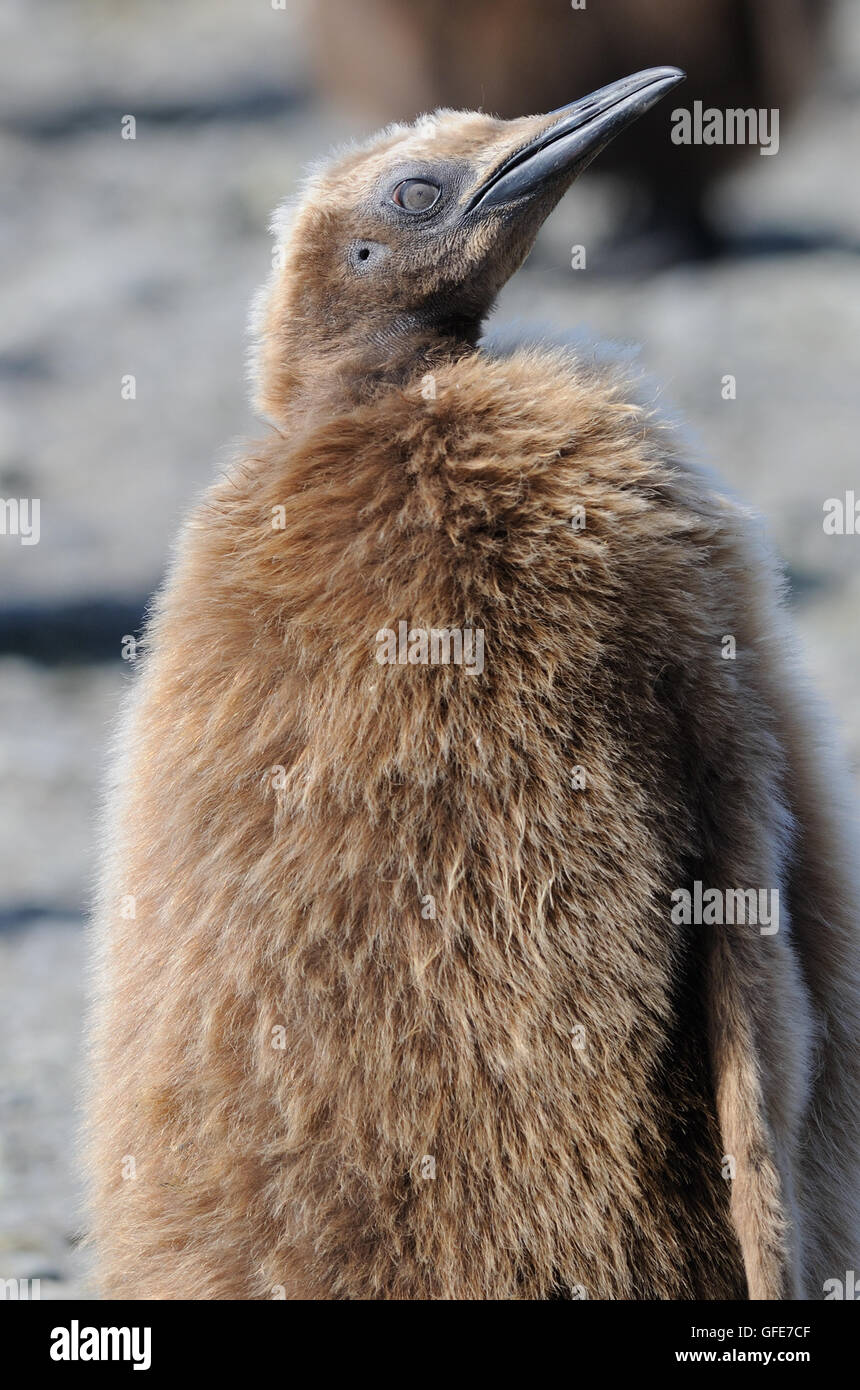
(401, 350)
(369, 359)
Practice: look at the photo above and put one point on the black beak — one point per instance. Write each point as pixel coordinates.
(562, 149)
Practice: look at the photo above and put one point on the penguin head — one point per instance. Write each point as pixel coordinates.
(408, 239)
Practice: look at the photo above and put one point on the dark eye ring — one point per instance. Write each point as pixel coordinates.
(417, 195)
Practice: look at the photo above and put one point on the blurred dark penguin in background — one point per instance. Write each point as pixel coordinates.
(392, 59)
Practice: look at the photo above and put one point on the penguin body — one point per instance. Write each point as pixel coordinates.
(404, 1008)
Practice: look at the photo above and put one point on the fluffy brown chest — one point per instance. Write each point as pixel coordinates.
(410, 843)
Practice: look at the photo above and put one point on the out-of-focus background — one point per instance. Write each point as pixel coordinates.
(138, 257)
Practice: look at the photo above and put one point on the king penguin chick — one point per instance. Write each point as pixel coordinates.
(397, 995)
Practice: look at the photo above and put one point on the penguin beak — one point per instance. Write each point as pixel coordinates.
(565, 141)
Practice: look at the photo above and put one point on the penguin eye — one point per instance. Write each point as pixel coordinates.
(416, 195)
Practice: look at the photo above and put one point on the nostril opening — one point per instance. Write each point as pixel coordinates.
(364, 253)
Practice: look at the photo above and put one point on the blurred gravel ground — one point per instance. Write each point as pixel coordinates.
(140, 257)
(41, 971)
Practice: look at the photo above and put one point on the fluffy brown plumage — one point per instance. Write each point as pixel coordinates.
(375, 924)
